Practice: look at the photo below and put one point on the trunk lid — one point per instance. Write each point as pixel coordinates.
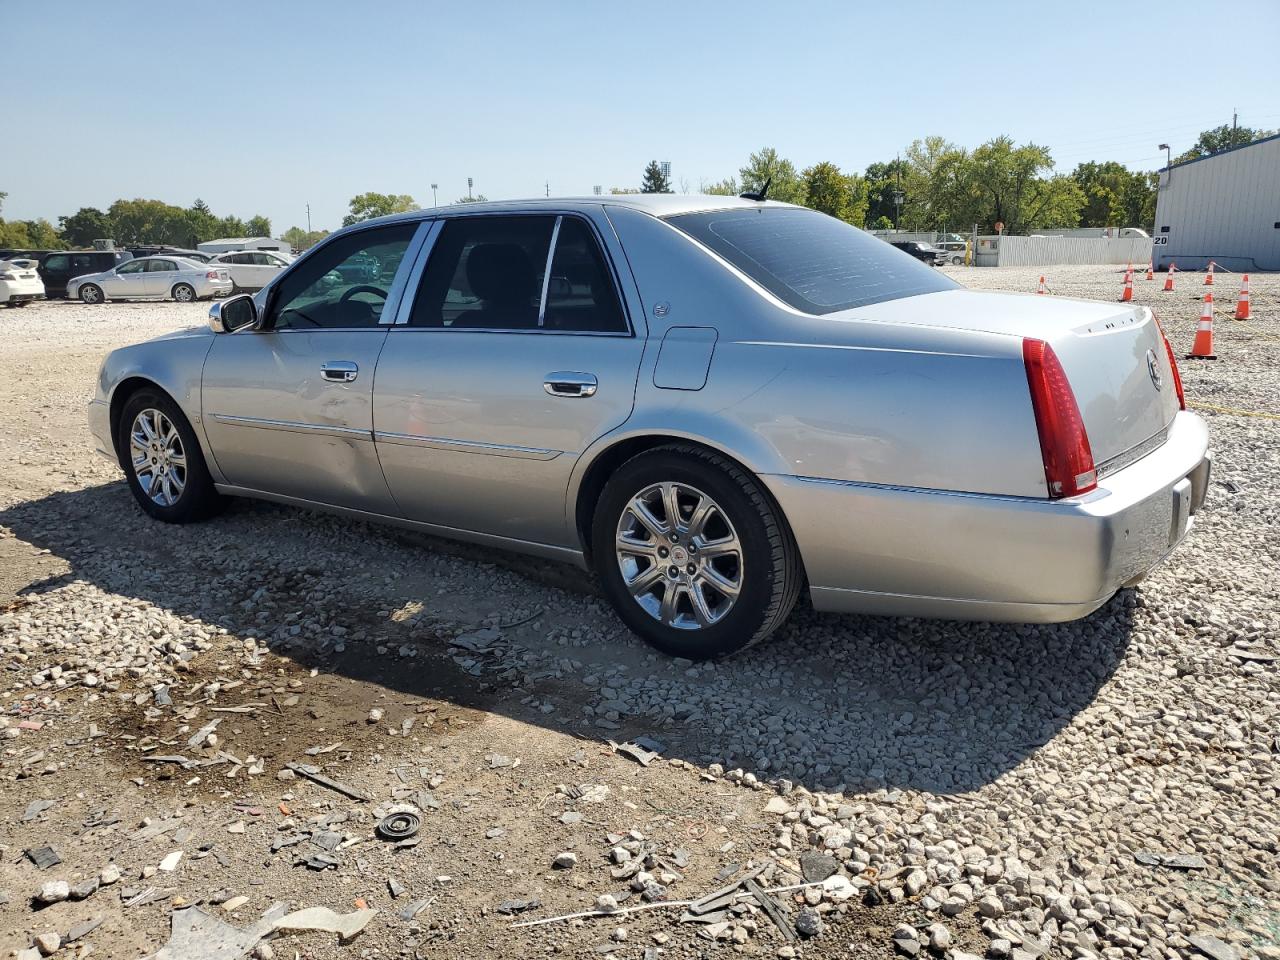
(1112, 353)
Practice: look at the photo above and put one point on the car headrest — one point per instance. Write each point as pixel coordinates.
(500, 273)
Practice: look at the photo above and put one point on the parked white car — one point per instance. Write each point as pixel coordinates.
(19, 282)
(153, 278)
(251, 269)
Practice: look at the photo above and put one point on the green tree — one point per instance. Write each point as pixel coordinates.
(655, 181)
(231, 227)
(1010, 183)
(258, 226)
(85, 226)
(882, 179)
(201, 222)
(728, 187)
(834, 193)
(1115, 196)
(300, 239)
(149, 221)
(366, 206)
(767, 167)
(478, 198)
(1222, 138)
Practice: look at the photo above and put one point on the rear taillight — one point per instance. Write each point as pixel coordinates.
(211, 275)
(1064, 444)
(1173, 365)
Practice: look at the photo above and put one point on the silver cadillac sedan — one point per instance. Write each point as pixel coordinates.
(711, 403)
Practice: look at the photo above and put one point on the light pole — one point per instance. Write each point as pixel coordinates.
(469, 184)
(897, 205)
(434, 202)
(1168, 162)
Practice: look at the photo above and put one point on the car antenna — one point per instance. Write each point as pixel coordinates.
(760, 195)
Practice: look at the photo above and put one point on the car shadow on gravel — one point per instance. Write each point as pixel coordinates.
(863, 702)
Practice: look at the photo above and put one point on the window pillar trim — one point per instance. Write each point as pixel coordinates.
(546, 273)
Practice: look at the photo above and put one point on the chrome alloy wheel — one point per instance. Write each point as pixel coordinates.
(159, 461)
(183, 293)
(679, 556)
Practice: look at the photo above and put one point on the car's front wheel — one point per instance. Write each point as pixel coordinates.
(91, 293)
(693, 553)
(184, 293)
(163, 462)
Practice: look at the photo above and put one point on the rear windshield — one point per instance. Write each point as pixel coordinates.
(809, 260)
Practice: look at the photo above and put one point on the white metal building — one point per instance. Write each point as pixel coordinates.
(245, 243)
(1224, 208)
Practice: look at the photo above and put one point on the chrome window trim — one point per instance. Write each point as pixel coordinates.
(615, 274)
(414, 277)
(466, 446)
(524, 332)
(1128, 458)
(391, 309)
(293, 426)
(546, 271)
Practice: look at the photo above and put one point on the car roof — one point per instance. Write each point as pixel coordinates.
(655, 204)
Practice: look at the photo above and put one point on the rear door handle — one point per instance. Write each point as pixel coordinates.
(566, 383)
(339, 371)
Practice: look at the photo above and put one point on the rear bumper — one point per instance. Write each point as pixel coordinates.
(910, 552)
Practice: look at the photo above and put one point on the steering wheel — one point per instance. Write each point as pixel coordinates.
(363, 288)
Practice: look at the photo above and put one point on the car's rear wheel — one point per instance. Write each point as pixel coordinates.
(91, 293)
(693, 553)
(163, 462)
(184, 293)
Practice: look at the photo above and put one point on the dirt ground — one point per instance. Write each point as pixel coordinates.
(289, 628)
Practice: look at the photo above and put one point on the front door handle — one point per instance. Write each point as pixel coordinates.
(566, 383)
(339, 371)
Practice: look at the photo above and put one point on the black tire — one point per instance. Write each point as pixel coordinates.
(183, 293)
(95, 294)
(770, 574)
(198, 500)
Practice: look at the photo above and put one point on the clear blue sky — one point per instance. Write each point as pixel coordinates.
(262, 107)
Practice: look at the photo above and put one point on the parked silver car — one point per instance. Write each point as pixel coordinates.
(712, 403)
(152, 278)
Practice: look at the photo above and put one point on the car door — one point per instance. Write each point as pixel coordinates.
(161, 275)
(287, 408)
(264, 267)
(128, 280)
(513, 356)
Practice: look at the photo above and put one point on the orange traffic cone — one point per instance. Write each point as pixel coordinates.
(1042, 289)
(1128, 287)
(1208, 276)
(1242, 305)
(1202, 349)
(1168, 280)
(1151, 270)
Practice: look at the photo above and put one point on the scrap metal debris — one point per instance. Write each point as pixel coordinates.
(43, 857)
(399, 826)
(345, 925)
(315, 776)
(1176, 861)
(512, 907)
(770, 908)
(35, 808)
(642, 750)
(196, 935)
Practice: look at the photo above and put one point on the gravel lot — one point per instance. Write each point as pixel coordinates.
(1106, 788)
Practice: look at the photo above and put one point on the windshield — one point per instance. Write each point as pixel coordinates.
(809, 260)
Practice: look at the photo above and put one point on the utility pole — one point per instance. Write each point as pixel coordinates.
(548, 188)
(308, 218)
(1234, 125)
(434, 203)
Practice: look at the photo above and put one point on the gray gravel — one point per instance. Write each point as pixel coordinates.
(1039, 782)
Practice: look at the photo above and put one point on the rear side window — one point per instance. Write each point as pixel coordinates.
(56, 263)
(485, 273)
(810, 261)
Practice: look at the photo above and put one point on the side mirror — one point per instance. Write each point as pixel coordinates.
(228, 316)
